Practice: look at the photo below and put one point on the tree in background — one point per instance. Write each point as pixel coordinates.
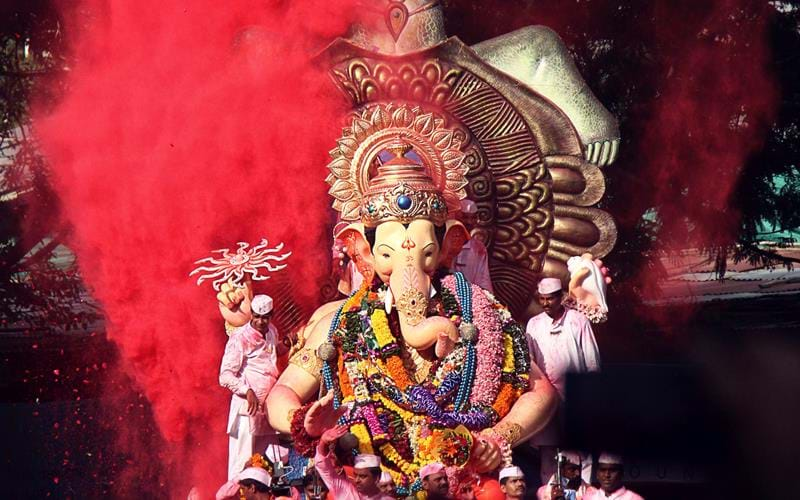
(39, 283)
(708, 99)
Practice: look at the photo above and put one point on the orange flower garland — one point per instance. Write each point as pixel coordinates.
(505, 399)
(394, 364)
(344, 380)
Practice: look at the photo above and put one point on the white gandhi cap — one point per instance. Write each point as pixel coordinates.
(261, 304)
(610, 459)
(512, 471)
(571, 457)
(429, 469)
(366, 461)
(256, 474)
(549, 285)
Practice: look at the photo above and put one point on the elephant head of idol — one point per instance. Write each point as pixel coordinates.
(403, 237)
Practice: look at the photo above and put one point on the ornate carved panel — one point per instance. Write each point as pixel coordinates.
(525, 164)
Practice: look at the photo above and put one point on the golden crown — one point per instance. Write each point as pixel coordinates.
(428, 183)
(402, 192)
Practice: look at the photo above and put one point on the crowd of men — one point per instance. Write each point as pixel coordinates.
(561, 341)
(328, 480)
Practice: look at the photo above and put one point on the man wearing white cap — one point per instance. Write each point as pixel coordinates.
(561, 341)
(473, 260)
(512, 482)
(435, 481)
(572, 485)
(249, 371)
(254, 483)
(366, 471)
(609, 475)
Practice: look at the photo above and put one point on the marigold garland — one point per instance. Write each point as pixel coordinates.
(505, 399)
(394, 364)
(344, 381)
(364, 442)
(508, 351)
(409, 423)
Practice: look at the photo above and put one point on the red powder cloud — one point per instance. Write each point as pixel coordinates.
(189, 126)
(716, 107)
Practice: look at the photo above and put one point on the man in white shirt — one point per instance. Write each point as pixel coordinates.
(249, 371)
(473, 260)
(609, 475)
(561, 341)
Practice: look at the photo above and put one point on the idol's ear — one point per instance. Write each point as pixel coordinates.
(357, 248)
(454, 238)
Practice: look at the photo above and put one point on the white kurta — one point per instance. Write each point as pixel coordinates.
(249, 362)
(473, 263)
(558, 347)
(621, 494)
(561, 346)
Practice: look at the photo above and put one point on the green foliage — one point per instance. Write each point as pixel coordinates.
(39, 283)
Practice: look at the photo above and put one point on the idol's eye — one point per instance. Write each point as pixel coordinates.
(385, 256)
(428, 254)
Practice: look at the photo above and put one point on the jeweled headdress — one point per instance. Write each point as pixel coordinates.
(402, 191)
(403, 188)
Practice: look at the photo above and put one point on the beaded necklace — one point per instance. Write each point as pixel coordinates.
(413, 420)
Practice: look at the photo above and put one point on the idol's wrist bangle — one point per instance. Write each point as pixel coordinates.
(511, 432)
(505, 446)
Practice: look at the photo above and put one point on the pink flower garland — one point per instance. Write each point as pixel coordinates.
(489, 345)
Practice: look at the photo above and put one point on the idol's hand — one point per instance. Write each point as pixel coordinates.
(445, 344)
(486, 454)
(592, 292)
(322, 416)
(234, 302)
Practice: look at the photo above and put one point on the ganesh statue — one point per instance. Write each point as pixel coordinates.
(418, 362)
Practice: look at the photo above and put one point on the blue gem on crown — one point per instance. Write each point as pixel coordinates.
(404, 202)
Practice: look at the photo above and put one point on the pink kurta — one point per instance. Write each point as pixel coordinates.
(473, 263)
(339, 486)
(621, 494)
(249, 362)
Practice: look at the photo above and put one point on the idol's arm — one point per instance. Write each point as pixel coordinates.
(532, 411)
(293, 388)
(299, 383)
